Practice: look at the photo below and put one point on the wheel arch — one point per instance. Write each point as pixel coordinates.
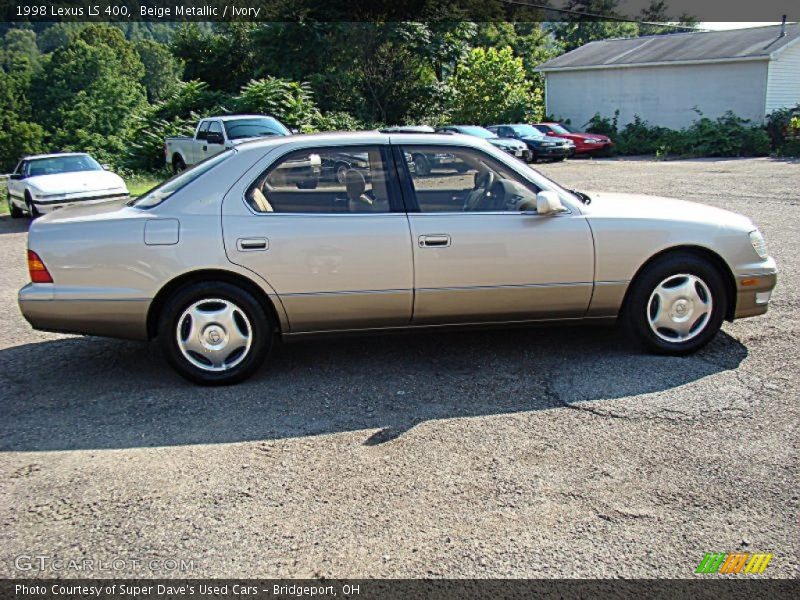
(701, 252)
(191, 277)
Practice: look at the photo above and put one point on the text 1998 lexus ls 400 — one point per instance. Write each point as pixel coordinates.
(245, 246)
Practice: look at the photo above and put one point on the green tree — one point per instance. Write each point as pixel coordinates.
(161, 70)
(657, 12)
(579, 30)
(88, 91)
(490, 86)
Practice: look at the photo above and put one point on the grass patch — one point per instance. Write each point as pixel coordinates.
(139, 184)
(3, 202)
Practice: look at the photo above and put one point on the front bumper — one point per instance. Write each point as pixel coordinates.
(552, 151)
(753, 293)
(45, 206)
(47, 308)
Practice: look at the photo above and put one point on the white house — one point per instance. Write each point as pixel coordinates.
(663, 78)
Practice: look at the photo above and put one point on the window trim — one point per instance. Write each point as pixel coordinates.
(200, 130)
(396, 200)
(413, 204)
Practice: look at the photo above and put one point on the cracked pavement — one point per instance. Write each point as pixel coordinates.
(552, 452)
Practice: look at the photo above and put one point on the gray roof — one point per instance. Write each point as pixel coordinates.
(707, 46)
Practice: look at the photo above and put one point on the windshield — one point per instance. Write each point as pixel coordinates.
(477, 131)
(63, 164)
(161, 192)
(256, 127)
(527, 131)
(559, 129)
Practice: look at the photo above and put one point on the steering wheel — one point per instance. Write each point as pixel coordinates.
(484, 180)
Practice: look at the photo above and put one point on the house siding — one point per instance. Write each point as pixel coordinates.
(661, 95)
(783, 80)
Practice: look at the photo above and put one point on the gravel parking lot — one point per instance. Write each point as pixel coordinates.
(555, 452)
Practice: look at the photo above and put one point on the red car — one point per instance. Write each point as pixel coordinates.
(585, 143)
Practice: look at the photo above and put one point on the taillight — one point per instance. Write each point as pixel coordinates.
(39, 273)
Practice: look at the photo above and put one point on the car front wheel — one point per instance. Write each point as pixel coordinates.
(677, 304)
(13, 209)
(214, 333)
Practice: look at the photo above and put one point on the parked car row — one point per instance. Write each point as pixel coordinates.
(44, 183)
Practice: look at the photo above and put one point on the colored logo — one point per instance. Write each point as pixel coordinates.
(741, 562)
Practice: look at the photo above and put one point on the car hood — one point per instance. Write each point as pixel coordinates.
(506, 142)
(639, 206)
(585, 136)
(78, 181)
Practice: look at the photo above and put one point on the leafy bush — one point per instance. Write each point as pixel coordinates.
(727, 135)
(489, 86)
(290, 102)
(338, 121)
(783, 127)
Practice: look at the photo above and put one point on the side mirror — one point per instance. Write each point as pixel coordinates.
(548, 203)
(106, 167)
(214, 137)
(294, 131)
(16, 176)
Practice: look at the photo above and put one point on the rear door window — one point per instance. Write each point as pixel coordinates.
(346, 180)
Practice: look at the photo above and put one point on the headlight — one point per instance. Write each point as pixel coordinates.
(548, 144)
(50, 196)
(759, 244)
(592, 141)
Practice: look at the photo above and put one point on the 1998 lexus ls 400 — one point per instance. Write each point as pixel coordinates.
(261, 240)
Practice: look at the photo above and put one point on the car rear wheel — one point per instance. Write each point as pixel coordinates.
(214, 333)
(13, 209)
(677, 305)
(178, 165)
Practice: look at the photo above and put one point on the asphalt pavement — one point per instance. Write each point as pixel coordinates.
(550, 452)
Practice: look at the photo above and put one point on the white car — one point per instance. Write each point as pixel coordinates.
(46, 182)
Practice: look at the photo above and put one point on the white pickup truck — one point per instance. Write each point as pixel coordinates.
(214, 134)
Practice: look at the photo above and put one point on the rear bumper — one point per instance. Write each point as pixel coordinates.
(45, 311)
(753, 293)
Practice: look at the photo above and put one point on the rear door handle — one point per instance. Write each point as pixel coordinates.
(252, 244)
(438, 240)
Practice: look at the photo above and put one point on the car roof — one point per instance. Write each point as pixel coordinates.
(55, 155)
(361, 137)
(234, 117)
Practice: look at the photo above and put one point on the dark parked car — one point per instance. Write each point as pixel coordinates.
(585, 143)
(542, 147)
(513, 147)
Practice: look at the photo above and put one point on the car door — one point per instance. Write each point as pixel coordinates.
(212, 148)
(337, 253)
(482, 253)
(197, 152)
(16, 184)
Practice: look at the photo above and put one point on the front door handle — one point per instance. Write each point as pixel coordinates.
(252, 244)
(437, 240)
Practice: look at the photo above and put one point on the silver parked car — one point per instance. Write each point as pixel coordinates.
(225, 256)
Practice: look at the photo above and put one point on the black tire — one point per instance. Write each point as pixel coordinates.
(339, 171)
(642, 304)
(178, 165)
(13, 209)
(560, 159)
(260, 331)
(33, 212)
(422, 164)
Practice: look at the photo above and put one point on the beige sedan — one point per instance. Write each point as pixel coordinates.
(254, 243)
